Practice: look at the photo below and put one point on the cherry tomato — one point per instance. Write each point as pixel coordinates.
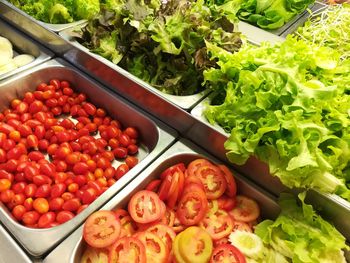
(43, 191)
(56, 204)
(30, 218)
(64, 216)
(89, 195)
(5, 184)
(131, 132)
(101, 229)
(7, 196)
(18, 211)
(131, 161)
(46, 219)
(41, 205)
(121, 171)
(145, 207)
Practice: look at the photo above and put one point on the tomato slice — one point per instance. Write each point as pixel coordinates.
(145, 207)
(221, 241)
(192, 208)
(120, 213)
(227, 253)
(95, 255)
(101, 229)
(154, 185)
(193, 179)
(195, 245)
(226, 203)
(178, 226)
(246, 209)
(176, 187)
(213, 206)
(127, 250)
(165, 233)
(164, 188)
(176, 250)
(218, 224)
(213, 180)
(231, 189)
(194, 165)
(237, 225)
(172, 169)
(156, 251)
(169, 217)
(128, 227)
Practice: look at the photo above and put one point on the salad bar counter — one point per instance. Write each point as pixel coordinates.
(177, 131)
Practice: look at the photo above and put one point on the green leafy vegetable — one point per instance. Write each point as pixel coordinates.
(301, 235)
(164, 45)
(59, 11)
(289, 106)
(270, 14)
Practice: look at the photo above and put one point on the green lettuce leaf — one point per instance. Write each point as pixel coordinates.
(301, 235)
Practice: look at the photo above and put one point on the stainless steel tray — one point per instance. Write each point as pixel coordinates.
(155, 138)
(331, 206)
(317, 8)
(53, 27)
(184, 102)
(9, 249)
(182, 151)
(22, 44)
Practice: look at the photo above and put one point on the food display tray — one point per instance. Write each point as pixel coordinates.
(332, 207)
(155, 137)
(182, 151)
(23, 45)
(184, 102)
(10, 250)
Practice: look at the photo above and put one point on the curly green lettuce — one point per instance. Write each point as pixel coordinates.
(301, 235)
(288, 105)
(59, 11)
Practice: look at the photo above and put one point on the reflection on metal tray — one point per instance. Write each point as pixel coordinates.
(155, 138)
(181, 151)
(318, 7)
(9, 249)
(184, 102)
(331, 206)
(23, 45)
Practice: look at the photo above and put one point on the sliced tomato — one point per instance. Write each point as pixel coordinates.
(213, 206)
(178, 226)
(246, 209)
(128, 227)
(213, 180)
(101, 229)
(127, 250)
(192, 208)
(166, 234)
(195, 245)
(218, 224)
(237, 225)
(193, 187)
(169, 217)
(226, 203)
(156, 250)
(227, 253)
(231, 189)
(95, 255)
(120, 213)
(194, 165)
(154, 185)
(177, 182)
(172, 169)
(176, 250)
(221, 241)
(192, 179)
(164, 188)
(145, 207)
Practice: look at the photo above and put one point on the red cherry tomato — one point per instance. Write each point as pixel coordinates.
(30, 218)
(41, 205)
(101, 229)
(46, 219)
(71, 205)
(18, 211)
(64, 216)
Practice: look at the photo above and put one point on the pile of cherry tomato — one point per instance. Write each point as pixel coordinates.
(56, 154)
(185, 216)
